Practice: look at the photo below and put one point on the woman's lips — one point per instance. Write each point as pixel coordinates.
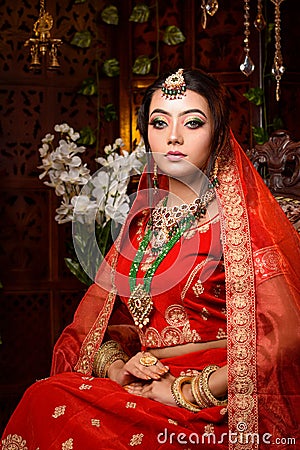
(175, 156)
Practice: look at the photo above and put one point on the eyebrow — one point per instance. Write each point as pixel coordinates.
(188, 111)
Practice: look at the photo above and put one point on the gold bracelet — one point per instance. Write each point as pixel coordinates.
(200, 400)
(204, 390)
(180, 400)
(108, 353)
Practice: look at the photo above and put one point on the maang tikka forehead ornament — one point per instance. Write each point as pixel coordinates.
(174, 86)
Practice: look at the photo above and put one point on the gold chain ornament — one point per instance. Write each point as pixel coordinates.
(247, 66)
(278, 68)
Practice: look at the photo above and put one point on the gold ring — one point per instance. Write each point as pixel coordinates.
(148, 360)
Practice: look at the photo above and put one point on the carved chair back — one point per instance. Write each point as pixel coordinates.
(278, 162)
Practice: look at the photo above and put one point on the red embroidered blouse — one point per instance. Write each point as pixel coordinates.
(188, 287)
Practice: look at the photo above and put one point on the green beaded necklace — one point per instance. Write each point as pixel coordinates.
(140, 302)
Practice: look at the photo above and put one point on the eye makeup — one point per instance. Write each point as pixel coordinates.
(193, 122)
(158, 122)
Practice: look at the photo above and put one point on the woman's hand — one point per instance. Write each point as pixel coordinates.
(125, 374)
(158, 390)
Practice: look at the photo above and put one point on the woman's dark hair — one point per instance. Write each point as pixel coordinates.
(205, 85)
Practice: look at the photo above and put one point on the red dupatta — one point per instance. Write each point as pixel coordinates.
(262, 266)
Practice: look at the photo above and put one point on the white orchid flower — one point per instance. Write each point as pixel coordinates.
(48, 163)
(105, 162)
(117, 214)
(105, 195)
(107, 150)
(119, 142)
(75, 176)
(44, 150)
(101, 186)
(64, 212)
(62, 128)
(75, 161)
(85, 209)
(48, 138)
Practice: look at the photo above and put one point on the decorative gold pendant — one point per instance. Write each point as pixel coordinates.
(140, 305)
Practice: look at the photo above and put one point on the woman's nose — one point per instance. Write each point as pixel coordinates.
(175, 136)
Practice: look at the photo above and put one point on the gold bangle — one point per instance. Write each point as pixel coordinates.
(200, 400)
(205, 392)
(180, 400)
(108, 353)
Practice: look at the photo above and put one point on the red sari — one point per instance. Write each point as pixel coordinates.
(254, 248)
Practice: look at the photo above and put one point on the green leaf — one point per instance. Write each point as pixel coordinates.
(110, 15)
(76, 269)
(173, 35)
(109, 112)
(103, 237)
(89, 87)
(82, 39)
(87, 136)
(142, 65)
(256, 96)
(260, 135)
(140, 13)
(79, 1)
(111, 67)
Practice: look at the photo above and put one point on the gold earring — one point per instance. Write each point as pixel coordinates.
(155, 177)
(213, 179)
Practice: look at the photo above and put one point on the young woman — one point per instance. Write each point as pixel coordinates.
(189, 337)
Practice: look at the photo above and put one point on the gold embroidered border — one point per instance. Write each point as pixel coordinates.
(95, 335)
(240, 300)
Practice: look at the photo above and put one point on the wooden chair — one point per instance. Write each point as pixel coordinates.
(278, 162)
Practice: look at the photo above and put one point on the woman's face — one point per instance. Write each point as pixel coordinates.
(180, 133)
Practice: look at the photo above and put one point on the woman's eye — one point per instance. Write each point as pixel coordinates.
(158, 123)
(194, 123)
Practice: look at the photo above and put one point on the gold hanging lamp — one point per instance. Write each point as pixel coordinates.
(42, 45)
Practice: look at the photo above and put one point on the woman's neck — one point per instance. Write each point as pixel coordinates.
(180, 192)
